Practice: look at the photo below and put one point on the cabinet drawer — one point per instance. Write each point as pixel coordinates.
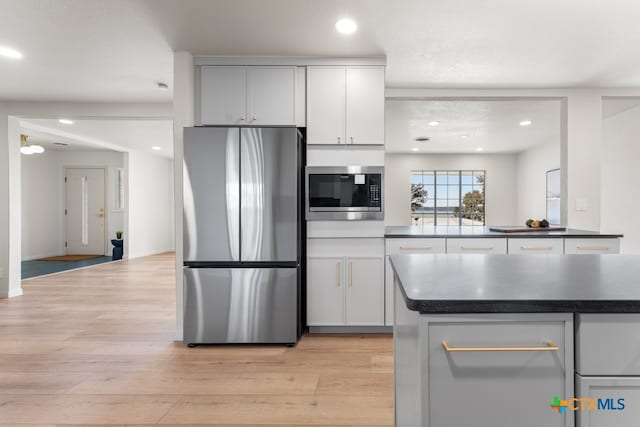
(591, 246)
(608, 344)
(477, 246)
(536, 246)
(415, 246)
(611, 389)
(478, 368)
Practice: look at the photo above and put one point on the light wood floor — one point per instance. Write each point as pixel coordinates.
(95, 346)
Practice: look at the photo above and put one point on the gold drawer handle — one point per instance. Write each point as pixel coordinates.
(592, 248)
(416, 248)
(536, 248)
(467, 248)
(549, 347)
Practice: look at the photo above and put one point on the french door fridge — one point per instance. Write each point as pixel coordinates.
(242, 235)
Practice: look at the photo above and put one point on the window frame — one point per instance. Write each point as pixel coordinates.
(460, 173)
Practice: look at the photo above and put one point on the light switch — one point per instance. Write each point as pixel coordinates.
(359, 179)
(582, 204)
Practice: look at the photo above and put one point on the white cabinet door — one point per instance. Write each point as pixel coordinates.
(616, 398)
(477, 246)
(365, 291)
(326, 105)
(325, 291)
(543, 246)
(271, 95)
(591, 246)
(223, 95)
(365, 105)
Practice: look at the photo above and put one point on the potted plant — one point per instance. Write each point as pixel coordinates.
(119, 234)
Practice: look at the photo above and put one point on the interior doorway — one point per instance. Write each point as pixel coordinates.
(85, 214)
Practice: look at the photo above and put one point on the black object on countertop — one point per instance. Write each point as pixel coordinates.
(437, 284)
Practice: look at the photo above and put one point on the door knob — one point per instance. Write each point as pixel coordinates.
(254, 118)
(339, 140)
(351, 140)
(241, 118)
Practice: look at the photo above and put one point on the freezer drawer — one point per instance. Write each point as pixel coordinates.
(240, 305)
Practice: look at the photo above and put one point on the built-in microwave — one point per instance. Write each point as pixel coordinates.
(344, 193)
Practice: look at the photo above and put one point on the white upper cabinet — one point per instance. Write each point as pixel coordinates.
(345, 105)
(365, 105)
(247, 95)
(271, 95)
(223, 95)
(326, 99)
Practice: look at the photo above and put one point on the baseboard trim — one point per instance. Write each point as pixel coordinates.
(15, 292)
(350, 329)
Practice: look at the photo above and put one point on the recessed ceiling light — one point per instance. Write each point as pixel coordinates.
(26, 149)
(163, 86)
(65, 121)
(479, 149)
(421, 138)
(464, 136)
(346, 26)
(434, 123)
(525, 122)
(7, 52)
(155, 147)
(415, 149)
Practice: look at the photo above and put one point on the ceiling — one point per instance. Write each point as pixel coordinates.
(99, 50)
(118, 135)
(52, 142)
(465, 125)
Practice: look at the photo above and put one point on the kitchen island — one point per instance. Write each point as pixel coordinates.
(491, 340)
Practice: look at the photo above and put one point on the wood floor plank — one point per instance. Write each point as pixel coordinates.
(96, 347)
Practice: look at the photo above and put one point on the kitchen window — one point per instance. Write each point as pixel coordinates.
(454, 198)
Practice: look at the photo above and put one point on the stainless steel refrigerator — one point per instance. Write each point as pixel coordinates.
(242, 235)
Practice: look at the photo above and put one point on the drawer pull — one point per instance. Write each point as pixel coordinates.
(416, 248)
(476, 248)
(536, 248)
(549, 347)
(592, 248)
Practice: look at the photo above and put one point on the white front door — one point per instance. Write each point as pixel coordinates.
(85, 211)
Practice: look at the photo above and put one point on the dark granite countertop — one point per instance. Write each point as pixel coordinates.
(471, 232)
(436, 284)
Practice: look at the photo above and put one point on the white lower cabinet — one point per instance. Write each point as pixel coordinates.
(345, 282)
(478, 245)
(542, 246)
(325, 291)
(592, 246)
(608, 368)
(496, 369)
(616, 401)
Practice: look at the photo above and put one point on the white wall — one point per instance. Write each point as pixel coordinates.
(532, 167)
(42, 198)
(43, 222)
(620, 200)
(150, 225)
(500, 183)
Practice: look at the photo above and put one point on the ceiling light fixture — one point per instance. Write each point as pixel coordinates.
(464, 136)
(28, 149)
(414, 149)
(65, 121)
(346, 26)
(525, 122)
(479, 149)
(163, 86)
(434, 123)
(7, 52)
(155, 147)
